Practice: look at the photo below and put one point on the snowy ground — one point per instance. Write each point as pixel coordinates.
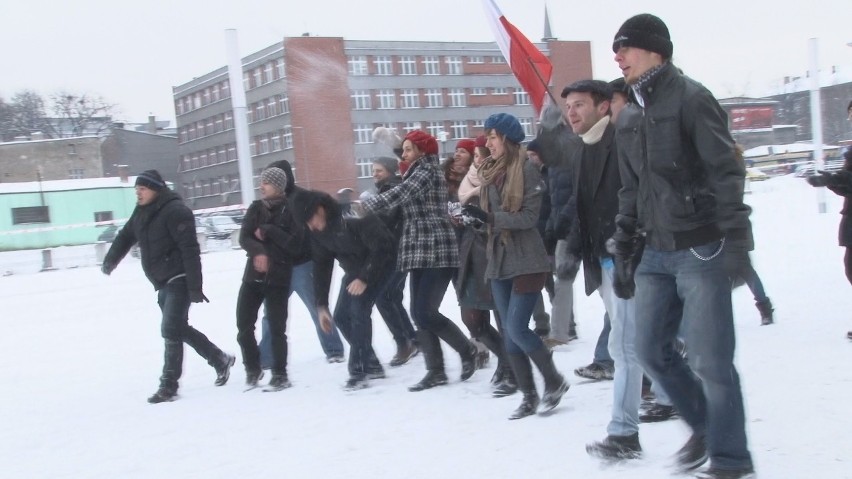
(82, 352)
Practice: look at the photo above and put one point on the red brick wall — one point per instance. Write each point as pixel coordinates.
(572, 61)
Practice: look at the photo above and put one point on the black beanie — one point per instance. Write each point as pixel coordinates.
(151, 179)
(644, 31)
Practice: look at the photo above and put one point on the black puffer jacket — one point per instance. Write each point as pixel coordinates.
(558, 147)
(300, 252)
(362, 246)
(165, 232)
(392, 217)
(681, 183)
(281, 236)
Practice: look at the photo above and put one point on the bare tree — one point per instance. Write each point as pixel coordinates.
(81, 113)
(26, 116)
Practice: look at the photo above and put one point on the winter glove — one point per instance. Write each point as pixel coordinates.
(197, 297)
(567, 264)
(822, 178)
(735, 260)
(549, 242)
(107, 267)
(626, 255)
(477, 214)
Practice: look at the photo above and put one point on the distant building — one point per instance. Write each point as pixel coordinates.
(60, 159)
(45, 214)
(752, 122)
(136, 148)
(315, 102)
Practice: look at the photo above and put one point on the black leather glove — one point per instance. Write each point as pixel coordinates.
(107, 267)
(735, 260)
(626, 255)
(549, 240)
(822, 178)
(198, 296)
(477, 213)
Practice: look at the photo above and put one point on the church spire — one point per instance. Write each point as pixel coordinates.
(548, 35)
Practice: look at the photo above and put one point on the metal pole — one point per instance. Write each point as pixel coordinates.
(238, 104)
(816, 118)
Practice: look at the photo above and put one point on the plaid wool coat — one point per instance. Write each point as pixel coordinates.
(428, 239)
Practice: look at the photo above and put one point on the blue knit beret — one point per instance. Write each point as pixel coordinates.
(507, 125)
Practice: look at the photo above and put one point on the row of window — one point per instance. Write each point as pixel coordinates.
(273, 141)
(268, 108)
(263, 74)
(211, 94)
(206, 127)
(211, 186)
(383, 65)
(457, 129)
(209, 157)
(388, 99)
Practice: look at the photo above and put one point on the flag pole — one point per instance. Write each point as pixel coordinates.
(547, 89)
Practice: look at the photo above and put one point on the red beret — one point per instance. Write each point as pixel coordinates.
(424, 142)
(467, 144)
(480, 140)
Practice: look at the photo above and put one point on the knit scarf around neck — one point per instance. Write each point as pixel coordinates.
(509, 177)
(470, 185)
(596, 132)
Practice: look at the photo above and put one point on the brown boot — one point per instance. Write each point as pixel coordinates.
(404, 352)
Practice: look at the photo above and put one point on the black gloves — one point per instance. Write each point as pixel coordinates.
(107, 267)
(626, 256)
(477, 214)
(567, 264)
(822, 178)
(735, 260)
(549, 239)
(197, 297)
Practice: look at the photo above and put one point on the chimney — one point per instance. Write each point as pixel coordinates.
(152, 124)
(123, 171)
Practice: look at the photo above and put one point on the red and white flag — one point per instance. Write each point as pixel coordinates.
(532, 69)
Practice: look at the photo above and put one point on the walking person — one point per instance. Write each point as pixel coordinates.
(428, 250)
(301, 283)
(267, 234)
(472, 288)
(510, 200)
(389, 301)
(361, 247)
(682, 197)
(164, 228)
(840, 183)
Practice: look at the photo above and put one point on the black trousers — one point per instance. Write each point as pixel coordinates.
(252, 295)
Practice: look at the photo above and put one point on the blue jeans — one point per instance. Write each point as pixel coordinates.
(602, 356)
(173, 299)
(749, 275)
(389, 304)
(515, 310)
(352, 316)
(302, 283)
(627, 378)
(677, 291)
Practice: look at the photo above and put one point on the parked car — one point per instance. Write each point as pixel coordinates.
(220, 227)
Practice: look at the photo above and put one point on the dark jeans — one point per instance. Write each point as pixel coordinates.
(847, 263)
(389, 304)
(352, 316)
(749, 275)
(602, 356)
(677, 291)
(428, 286)
(302, 283)
(252, 295)
(515, 310)
(173, 299)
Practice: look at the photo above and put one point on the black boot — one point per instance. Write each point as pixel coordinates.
(555, 384)
(503, 380)
(766, 310)
(616, 447)
(430, 345)
(523, 373)
(507, 385)
(452, 335)
(163, 394)
(223, 369)
(693, 454)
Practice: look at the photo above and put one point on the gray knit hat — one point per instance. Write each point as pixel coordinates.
(275, 177)
(388, 163)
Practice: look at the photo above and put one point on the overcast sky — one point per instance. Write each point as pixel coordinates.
(133, 53)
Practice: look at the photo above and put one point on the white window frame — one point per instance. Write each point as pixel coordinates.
(357, 65)
(408, 65)
(476, 60)
(434, 98)
(478, 91)
(521, 97)
(410, 98)
(459, 129)
(365, 167)
(384, 65)
(457, 97)
(387, 99)
(431, 65)
(361, 100)
(499, 91)
(363, 133)
(454, 65)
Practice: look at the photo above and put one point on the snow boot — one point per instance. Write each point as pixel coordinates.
(354, 383)
(223, 370)
(253, 377)
(616, 448)
(452, 335)
(766, 310)
(163, 394)
(430, 345)
(555, 384)
(658, 413)
(523, 373)
(278, 382)
(595, 371)
(404, 352)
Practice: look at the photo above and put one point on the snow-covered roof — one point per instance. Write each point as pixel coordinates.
(48, 140)
(781, 149)
(67, 185)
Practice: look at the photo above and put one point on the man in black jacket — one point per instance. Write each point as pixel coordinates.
(360, 245)
(302, 283)
(164, 228)
(682, 196)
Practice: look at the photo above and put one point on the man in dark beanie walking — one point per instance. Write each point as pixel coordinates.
(682, 197)
(164, 228)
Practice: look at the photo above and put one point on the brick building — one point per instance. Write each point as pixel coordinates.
(59, 159)
(315, 102)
